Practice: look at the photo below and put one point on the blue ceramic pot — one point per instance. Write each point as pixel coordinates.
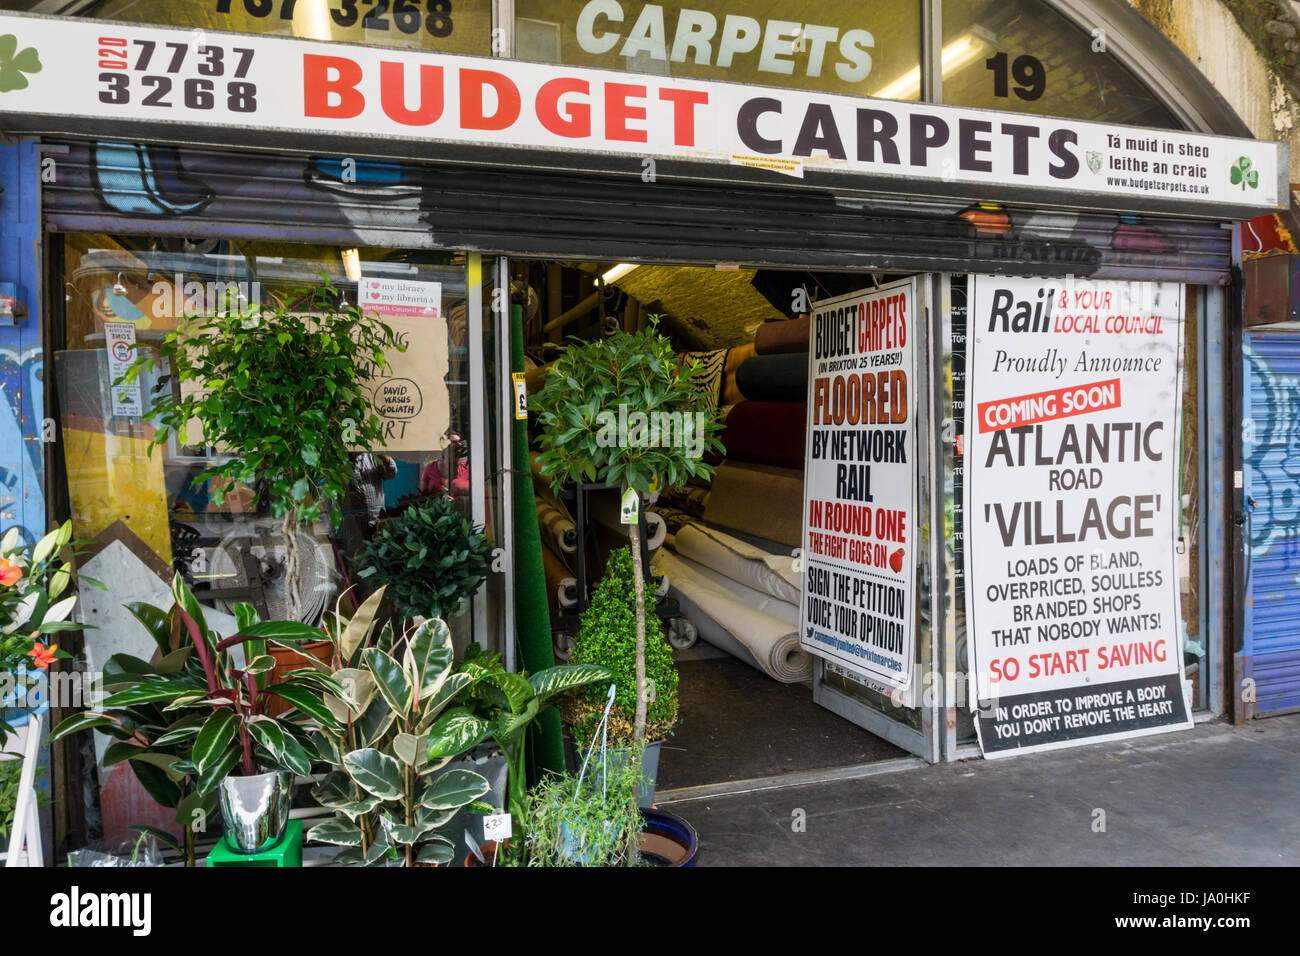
(668, 840)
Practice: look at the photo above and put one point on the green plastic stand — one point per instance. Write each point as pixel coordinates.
(288, 852)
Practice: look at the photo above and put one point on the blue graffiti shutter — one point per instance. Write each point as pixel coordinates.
(1271, 449)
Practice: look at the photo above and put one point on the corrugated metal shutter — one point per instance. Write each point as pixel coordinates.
(124, 187)
(1271, 449)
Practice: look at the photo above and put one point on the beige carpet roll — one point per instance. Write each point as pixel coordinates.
(771, 574)
(787, 611)
(725, 619)
(761, 500)
(557, 526)
(559, 580)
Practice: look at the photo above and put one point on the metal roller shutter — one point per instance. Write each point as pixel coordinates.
(1271, 450)
(124, 187)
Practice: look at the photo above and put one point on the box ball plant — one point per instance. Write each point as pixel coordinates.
(283, 390)
(607, 637)
(429, 558)
(591, 381)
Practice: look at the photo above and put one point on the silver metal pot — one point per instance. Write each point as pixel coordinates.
(255, 809)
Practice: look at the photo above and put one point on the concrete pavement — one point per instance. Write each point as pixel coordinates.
(1215, 795)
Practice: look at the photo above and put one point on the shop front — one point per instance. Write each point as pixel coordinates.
(978, 470)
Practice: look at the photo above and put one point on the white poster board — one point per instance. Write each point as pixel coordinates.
(119, 337)
(858, 598)
(1071, 507)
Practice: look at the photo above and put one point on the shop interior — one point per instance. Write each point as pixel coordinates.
(723, 550)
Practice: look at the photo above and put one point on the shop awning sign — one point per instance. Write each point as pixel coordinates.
(114, 79)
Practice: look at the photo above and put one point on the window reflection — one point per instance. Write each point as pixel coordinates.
(119, 289)
(1022, 56)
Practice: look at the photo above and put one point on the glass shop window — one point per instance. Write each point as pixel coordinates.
(866, 49)
(448, 26)
(121, 291)
(1022, 56)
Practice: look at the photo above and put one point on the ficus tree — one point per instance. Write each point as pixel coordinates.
(281, 389)
(587, 396)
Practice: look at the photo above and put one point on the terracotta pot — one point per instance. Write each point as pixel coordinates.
(488, 849)
(289, 659)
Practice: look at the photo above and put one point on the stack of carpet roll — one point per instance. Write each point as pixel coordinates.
(758, 488)
(559, 547)
(739, 598)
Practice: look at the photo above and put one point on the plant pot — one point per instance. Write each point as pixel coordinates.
(668, 840)
(488, 850)
(255, 810)
(649, 770)
(290, 659)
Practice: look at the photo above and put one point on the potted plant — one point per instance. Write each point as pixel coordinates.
(395, 731)
(635, 372)
(31, 611)
(585, 820)
(607, 637)
(429, 558)
(282, 390)
(508, 702)
(199, 721)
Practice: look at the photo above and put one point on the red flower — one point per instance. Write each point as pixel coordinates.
(43, 656)
(10, 573)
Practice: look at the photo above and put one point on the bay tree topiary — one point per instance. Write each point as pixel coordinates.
(588, 394)
(283, 391)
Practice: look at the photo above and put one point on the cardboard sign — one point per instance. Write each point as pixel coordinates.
(1071, 510)
(860, 487)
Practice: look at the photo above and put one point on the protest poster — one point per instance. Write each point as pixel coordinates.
(1071, 442)
(858, 601)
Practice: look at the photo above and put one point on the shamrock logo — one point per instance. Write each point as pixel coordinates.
(13, 64)
(1245, 173)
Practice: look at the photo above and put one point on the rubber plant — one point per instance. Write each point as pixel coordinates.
(282, 390)
(584, 393)
(395, 731)
(195, 715)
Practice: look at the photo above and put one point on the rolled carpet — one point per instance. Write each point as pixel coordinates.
(735, 358)
(782, 337)
(758, 600)
(729, 624)
(771, 574)
(557, 526)
(707, 379)
(767, 433)
(561, 585)
(774, 378)
(760, 500)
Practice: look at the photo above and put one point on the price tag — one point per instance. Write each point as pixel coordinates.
(631, 507)
(521, 396)
(496, 826)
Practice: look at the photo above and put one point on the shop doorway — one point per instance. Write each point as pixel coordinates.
(726, 553)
